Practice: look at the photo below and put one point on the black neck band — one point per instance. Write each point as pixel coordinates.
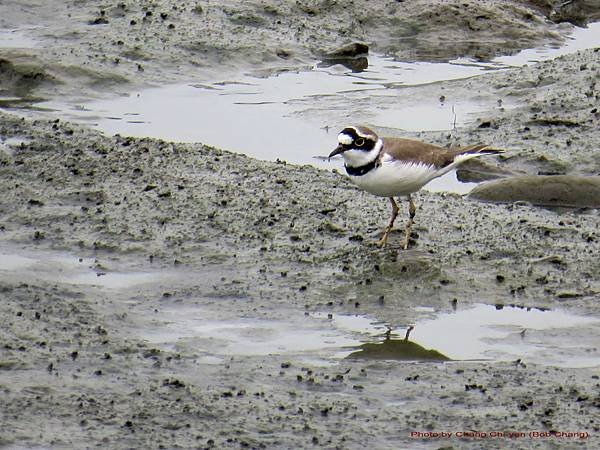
(361, 170)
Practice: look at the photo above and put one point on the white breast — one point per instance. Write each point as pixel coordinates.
(394, 178)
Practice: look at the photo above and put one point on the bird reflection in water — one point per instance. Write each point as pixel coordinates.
(397, 349)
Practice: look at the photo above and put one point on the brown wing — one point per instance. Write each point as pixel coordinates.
(416, 151)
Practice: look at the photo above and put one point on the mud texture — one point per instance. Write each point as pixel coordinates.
(230, 237)
(84, 47)
(255, 239)
(552, 190)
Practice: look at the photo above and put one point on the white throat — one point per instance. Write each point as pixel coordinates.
(358, 158)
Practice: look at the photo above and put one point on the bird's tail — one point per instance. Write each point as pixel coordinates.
(477, 150)
(462, 154)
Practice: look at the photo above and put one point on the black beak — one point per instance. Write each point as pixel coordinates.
(339, 149)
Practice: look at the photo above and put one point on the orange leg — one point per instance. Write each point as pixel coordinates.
(388, 230)
(412, 210)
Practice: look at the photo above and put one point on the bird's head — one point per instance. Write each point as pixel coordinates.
(358, 145)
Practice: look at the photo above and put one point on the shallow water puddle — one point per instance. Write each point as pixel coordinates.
(9, 262)
(270, 118)
(216, 339)
(16, 38)
(580, 39)
(482, 332)
(7, 145)
(479, 333)
(548, 337)
(63, 268)
(289, 116)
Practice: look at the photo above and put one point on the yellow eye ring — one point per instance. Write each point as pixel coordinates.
(359, 142)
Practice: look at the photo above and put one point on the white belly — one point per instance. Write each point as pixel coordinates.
(394, 178)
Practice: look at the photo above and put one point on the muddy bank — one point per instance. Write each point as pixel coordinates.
(69, 188)
(83, 48)
(549, 191)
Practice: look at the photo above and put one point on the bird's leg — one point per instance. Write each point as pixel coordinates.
(388, 230)
(412, 210)
(388, 333)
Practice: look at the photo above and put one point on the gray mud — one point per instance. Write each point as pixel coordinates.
(86, 47)
(105, 239)
(550, 191)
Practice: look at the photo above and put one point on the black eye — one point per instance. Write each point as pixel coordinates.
(359, 142)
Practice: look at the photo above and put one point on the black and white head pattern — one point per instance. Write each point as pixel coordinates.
(361, 146)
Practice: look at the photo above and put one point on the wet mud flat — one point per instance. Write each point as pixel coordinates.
(77, 50)
(114, 249)
(241, 238)
(231, 237)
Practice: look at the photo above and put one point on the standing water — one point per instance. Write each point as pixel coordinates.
(295, 116)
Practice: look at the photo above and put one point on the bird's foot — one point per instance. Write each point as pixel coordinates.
(409, 240)
(408, 230)
(383, 241)
(406, 243)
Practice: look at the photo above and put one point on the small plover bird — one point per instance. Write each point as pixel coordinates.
(391, 167)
